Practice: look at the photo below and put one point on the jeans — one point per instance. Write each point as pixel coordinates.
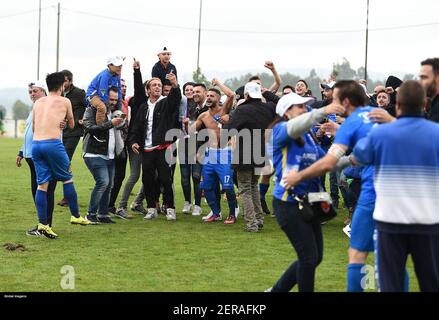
(186, 170)
(103, 173)
(307, 240)
(135, 168)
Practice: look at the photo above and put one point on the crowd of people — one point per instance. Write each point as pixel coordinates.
(224, 140)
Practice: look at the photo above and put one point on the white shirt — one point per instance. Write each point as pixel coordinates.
(150, 115)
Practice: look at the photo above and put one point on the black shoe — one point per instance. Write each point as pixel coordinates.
(112, 210)
(92, 218)
(34, 232)
(105, 219)
(264, 206)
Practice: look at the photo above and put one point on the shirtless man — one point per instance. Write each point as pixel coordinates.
(217, 163)
(50, 158)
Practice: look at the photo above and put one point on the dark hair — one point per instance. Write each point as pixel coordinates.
(200, 85)
(433, 62)
(288, 87)
(55, 81)
(67, 74)
(411, 97)
(188, 84)
(351, 90)
(114, 89)
(253, 78)
(215, 90)
(300, 142)
(301, 80)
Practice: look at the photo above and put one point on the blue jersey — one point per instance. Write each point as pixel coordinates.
(101, 83)
(406, 171)
(357, 126)
(288, 155)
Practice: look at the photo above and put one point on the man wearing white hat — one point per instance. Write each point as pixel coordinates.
(97, 92)
(163, 66)
(252, 116)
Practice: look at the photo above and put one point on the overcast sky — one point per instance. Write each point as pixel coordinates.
(236, 35)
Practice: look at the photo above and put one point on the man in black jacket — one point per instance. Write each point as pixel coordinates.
(71, 136)
(251, 118)
(429, 79)
(101, 145)
(148, 136)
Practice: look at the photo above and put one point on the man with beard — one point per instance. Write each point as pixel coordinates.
(429, 79)
(218, 160)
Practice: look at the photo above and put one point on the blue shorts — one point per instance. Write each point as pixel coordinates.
(362, 228)
(51, 161)
(217, 166)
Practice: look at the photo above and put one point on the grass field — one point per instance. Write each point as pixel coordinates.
(139, 255)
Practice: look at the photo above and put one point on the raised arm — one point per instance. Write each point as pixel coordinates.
(227, 106)
(298, 125)
(277, 80)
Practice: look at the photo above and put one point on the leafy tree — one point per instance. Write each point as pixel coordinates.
(199, 77)
(409, 76)
(2, 116)
(20, 110)
(2, 112)
(344, 70)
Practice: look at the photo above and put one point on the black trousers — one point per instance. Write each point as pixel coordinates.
(120, 165)
(70, 144)
(50, 190)
(393, 250)
(307, 240)
(156, 161)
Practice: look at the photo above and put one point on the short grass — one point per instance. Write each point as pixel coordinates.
(138, 255)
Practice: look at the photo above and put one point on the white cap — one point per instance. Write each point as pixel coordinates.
(289, 100)
(39, 84)
(327, 86)
(164, 50)
(253, 89)
(116, 61)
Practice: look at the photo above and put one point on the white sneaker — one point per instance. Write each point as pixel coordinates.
(186, 207)
(347, 230)
(236, 212)
(196, 211)
(170, 214)
(152, 214)
(220, 217)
